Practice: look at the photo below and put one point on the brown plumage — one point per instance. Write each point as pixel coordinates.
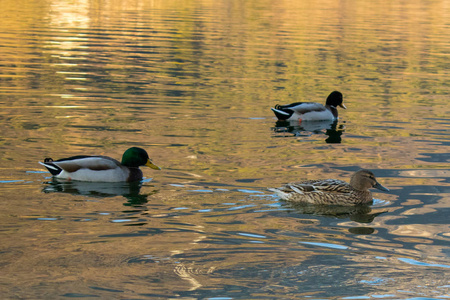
(332, 191)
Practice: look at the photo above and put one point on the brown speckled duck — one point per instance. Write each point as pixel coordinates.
(332, 191)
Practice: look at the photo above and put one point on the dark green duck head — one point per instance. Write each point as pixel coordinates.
(136, 157)
(335, 99)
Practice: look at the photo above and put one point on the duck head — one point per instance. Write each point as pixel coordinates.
(136, 157)
(335, 99)
(364, 180)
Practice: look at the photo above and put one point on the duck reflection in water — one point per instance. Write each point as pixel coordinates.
(297, 128)
(131, 190)
(358, 213)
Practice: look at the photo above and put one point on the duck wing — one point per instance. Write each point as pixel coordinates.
(75, 163)
(302, 108)
(324, 186)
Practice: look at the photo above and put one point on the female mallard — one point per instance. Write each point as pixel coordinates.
(101, 168)
(310, 111)
(332, 191)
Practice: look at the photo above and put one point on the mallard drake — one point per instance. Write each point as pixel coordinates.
(101, 168)
(310, 111)
(332, 191)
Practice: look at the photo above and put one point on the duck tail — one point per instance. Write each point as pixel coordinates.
(281, 115)
(281, 194)
(51, 167)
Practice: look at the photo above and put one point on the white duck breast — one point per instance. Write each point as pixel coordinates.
(112, 175)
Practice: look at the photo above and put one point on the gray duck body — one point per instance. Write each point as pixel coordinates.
(100, 168)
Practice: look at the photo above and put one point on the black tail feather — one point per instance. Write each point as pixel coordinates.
(51, 167)
(282, 114)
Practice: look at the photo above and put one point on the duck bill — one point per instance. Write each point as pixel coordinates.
(152, 165)
(380, 187)
(343, 106)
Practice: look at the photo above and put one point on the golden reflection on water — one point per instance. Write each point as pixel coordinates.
(86, 238)
(192, 82)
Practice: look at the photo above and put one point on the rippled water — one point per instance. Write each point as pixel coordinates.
(193, 82)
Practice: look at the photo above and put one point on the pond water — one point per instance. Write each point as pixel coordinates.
(192, 82)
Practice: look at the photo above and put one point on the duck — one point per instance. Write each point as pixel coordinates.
(100, 168)
(311, 111)
(332, 191)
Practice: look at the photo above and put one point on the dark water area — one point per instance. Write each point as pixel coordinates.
(192, 82)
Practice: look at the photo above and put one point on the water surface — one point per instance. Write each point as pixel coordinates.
(193, 82)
